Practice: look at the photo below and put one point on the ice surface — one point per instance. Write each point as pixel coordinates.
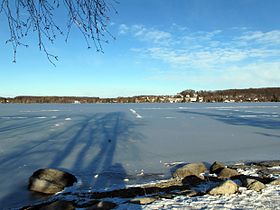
(107, 145)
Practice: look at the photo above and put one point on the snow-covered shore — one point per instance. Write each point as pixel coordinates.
(269, 198)
(178, 198)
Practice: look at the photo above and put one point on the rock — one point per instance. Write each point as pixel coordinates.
(86, 203)
(275, 182)
(103, 205)
(190, 169)
(57, 205)
(194, 194)
(246, 179)
(142, 201)
(50, 181)
(216, 167)
(227, 187)
(240, 166)
(238, 182)
(192, 180)
(265, 179)
(269, 163)
(227, 173)
(266, 171)
(256, 186)
(189, 193)
(166, 196)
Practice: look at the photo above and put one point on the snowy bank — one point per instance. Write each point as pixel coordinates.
(192, 190)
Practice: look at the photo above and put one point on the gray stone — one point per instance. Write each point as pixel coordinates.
(142, 201)
(275, 182)
(256, 186)
(216, 167)
(192, 180)
(194, 194)
(227, 173)
(166, 196)
(50, 181)
(247, 181)
(268, 163)
(226, 188)
(190, 169)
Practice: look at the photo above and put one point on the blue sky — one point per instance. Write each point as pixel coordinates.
(161, 47)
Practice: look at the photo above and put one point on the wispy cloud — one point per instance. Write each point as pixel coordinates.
(251, 75)
(146, 34)
(230, 56)
(270, 37)
(123, 29)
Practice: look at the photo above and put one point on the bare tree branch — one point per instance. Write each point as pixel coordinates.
(90, 17)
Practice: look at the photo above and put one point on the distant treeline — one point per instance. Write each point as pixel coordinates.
(238, 95)
(49, 99)
(231, 95)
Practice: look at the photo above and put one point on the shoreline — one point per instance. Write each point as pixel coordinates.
(160, 192)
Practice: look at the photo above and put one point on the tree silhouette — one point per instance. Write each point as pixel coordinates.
(90, 17)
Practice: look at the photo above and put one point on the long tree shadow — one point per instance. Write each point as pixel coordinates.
(96, 143)
(97, 140)
(87, 146)
(26, 150)
(241, 119)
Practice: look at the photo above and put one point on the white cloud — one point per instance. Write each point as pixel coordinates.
(123, 29)
(270, 37)
(251, 75)
(229, 58)
(255, 74)
(143, 33)
(169, 56)
(151, 35)
(205, 50)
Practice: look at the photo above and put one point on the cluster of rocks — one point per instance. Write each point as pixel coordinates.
(192, 179)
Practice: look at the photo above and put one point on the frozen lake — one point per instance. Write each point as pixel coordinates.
(107, 145)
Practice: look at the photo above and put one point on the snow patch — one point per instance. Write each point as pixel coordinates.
(247, 116)
(135, 113)
(248, 172)
(247, 199)
(11, 117)
(181, 107)
(43, 110)
(170, 117)
(274, 168)
(170, 164)
(42, 117)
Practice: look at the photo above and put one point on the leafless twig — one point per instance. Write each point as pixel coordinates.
(91, 17)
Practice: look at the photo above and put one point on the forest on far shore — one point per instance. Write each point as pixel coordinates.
(230, 95)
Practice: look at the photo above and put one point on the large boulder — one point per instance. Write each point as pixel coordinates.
(256, 186)
(50, 181)
(192, 180)
(227, 173)
(216, 167)
(225, 188)
(189, 170)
